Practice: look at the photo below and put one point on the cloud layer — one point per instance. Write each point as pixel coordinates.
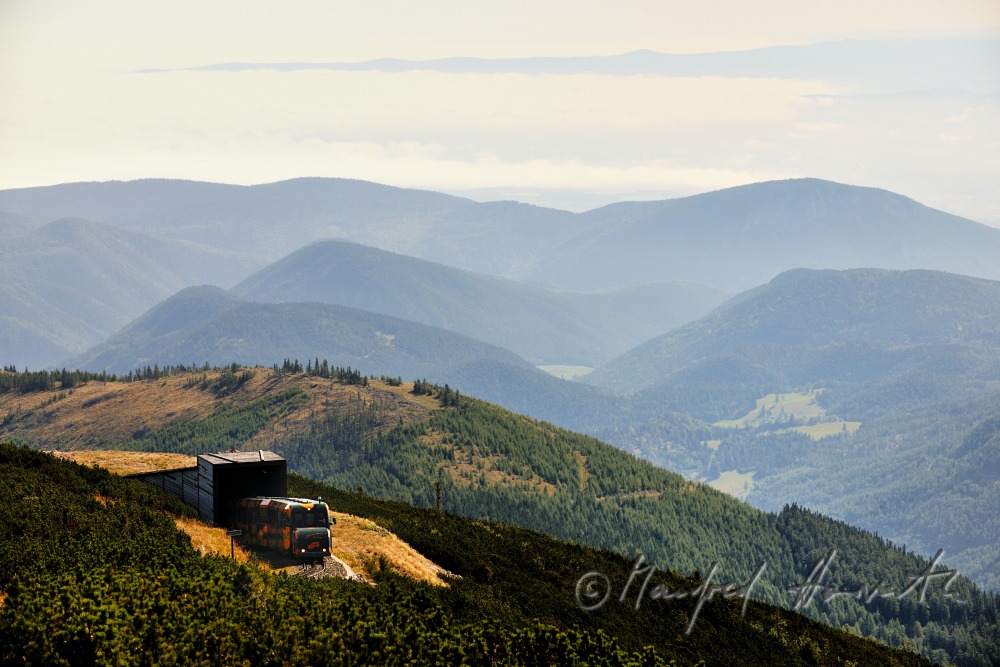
(918, 116)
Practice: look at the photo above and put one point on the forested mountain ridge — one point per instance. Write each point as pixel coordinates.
(397, 441)
(858, 393)
(121, 588)
(787, 326)
(207, 324)
(542, 325)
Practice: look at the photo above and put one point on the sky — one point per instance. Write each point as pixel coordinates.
(79, 102)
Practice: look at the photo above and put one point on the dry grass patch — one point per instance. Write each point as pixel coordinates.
(99, 414)
(468, 467)
(405, 391)
(324, 395)
(104, 500)
(779, 407)
(129, 463)
(737, 484)
(208, 539)
(470, 470)
(359, 541)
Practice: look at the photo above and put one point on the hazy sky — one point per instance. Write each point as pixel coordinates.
(73, 107)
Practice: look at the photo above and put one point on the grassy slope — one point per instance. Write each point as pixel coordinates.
(177, 413)
(108, 416)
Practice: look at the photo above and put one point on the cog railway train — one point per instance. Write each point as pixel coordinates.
(296, 527)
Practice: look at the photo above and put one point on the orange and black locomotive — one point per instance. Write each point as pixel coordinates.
(292, 526)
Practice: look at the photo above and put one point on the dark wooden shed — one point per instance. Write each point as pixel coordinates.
(219, 481)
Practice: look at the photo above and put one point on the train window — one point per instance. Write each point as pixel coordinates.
(308, 519)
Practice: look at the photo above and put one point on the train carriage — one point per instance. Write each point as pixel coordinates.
(296, 527)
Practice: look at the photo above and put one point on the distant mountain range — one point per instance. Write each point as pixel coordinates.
(901, 365)
(732, 239)
(909, 356)
(69, 284)
(742, 237)
(272, 220)
(542, 325)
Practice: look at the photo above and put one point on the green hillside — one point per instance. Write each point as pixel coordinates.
(399, 441)
(926, 475)
(126, 587)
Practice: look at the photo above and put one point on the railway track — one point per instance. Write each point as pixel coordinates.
(331, 566)
(316, 570)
